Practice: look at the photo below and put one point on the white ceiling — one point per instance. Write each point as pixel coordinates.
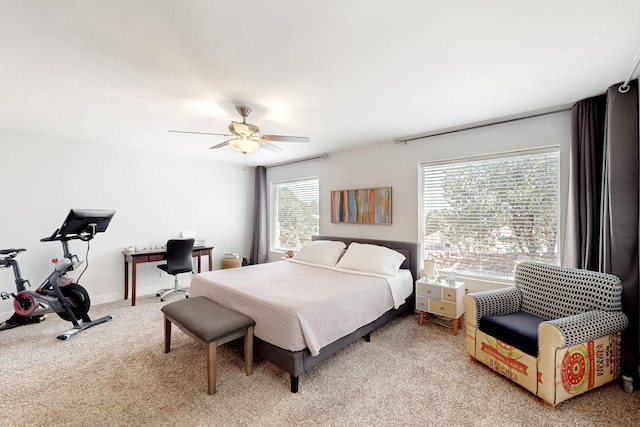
(344, 73)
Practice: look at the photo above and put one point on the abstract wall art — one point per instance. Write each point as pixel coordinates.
(361, 206)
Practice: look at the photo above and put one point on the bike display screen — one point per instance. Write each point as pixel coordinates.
(83, 221)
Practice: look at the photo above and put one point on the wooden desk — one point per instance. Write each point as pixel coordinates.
(155, 255)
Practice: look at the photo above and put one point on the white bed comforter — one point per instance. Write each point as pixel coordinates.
(298, 305)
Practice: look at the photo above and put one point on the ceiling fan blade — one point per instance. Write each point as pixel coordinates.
(222, 144)
(245, 137)
(284, 138)
(269, 146)
(199, 133)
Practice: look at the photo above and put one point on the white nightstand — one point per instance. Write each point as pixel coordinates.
(441, 299)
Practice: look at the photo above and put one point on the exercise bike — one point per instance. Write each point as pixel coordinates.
(58, 293)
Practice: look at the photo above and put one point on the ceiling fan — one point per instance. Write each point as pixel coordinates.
(245, 136)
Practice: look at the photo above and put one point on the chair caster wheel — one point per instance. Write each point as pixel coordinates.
(161, 299)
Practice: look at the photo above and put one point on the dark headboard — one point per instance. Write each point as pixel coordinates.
(408, 249)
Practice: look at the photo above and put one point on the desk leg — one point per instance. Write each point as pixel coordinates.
(199, 262)
(126, 280)
(133, 283)
(210, 261)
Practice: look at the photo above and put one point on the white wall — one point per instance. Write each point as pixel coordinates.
(155, 198)
(395, 165)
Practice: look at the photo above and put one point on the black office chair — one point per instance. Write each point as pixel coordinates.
(179, 260)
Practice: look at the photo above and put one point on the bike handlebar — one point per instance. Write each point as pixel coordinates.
(55, 237)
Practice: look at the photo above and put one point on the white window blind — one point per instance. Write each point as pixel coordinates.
(295, 213)
(484, 216)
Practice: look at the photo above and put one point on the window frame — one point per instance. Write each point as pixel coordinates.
(274, 240)
(493, 156)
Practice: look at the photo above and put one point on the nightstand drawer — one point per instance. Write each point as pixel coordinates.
(422, 303)
(442, 308)
(428, 290)
(450, 293)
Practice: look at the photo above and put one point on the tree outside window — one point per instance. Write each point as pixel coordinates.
(295, 213)
(483, 217)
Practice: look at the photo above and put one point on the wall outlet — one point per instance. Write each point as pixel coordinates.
(401, 223)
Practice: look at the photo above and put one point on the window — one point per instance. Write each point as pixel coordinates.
(483, 216)
(294, 213)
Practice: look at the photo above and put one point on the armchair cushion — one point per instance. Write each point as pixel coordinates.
(518, 329)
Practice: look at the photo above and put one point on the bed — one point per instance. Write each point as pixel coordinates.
(293, 329)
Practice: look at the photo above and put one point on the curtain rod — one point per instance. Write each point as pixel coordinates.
(624, 88)
(478, 125)
(322, 156)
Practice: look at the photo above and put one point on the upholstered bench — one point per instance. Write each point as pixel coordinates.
(212, 324)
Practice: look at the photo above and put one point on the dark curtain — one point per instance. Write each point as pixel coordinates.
(619, 238)
(585, 178)
(603, 209)
(259, 244)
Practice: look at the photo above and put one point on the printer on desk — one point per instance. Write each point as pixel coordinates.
(190, 234)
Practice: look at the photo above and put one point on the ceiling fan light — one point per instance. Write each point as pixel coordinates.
(244, 145)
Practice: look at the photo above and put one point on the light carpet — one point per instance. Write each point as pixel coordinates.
(116, 374)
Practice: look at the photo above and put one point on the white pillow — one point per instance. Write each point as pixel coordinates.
(325, 252)
(371, 258)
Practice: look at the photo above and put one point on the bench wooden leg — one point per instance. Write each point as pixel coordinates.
(248, 351)
(167, 335)
(211, 367)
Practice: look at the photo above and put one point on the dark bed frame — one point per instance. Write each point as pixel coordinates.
(297, 362)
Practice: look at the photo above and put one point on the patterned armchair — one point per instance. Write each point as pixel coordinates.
(555, 333)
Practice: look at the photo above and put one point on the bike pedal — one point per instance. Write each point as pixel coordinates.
(35, 319)
(5, 295)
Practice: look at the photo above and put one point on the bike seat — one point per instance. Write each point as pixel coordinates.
(11, 251)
